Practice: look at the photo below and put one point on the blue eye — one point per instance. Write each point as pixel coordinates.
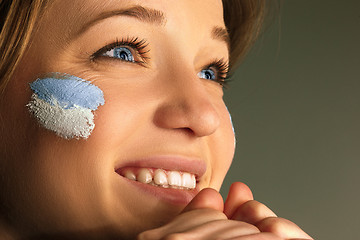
(128, 50)
(207, 74)
(216, 71)
(122, 53)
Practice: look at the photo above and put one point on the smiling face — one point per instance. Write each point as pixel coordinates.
(158, 64)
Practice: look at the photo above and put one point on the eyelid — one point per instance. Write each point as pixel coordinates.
(222, 69)
(138, 47)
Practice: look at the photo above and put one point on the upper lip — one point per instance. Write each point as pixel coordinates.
(168, 162)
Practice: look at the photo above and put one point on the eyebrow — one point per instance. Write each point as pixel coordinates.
(150, 15)
(142, 13)
(221, 34)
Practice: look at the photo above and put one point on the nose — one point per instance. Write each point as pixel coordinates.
(188, 106)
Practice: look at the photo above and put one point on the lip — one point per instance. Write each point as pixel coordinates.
(171, 163)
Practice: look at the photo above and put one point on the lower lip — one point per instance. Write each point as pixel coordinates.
(169, 195)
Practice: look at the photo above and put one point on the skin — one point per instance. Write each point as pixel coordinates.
(54, 188)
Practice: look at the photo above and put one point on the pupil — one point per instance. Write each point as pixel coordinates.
(208, 74)
(123, 55)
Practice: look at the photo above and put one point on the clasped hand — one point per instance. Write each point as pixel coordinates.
(240, 218)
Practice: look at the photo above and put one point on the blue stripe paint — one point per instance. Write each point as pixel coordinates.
(68, 91)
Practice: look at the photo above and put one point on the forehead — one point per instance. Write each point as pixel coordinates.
(71, 15)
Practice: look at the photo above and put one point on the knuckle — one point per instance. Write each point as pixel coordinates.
(273, 224)
(176, 236)
(246, 227)
(254, 208)
(253, 211)
(282, 227)
(218, 215)
(147, 235)
(212, 214)
(272, 236)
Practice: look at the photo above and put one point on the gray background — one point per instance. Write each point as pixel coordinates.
(295, 105)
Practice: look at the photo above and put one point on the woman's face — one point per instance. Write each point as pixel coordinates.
(163, 110)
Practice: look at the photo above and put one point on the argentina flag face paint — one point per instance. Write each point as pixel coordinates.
(64, 104)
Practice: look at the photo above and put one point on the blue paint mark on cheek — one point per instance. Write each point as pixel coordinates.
(64, 104)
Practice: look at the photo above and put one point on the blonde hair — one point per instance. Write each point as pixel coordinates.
(17, 22)
(243, 19)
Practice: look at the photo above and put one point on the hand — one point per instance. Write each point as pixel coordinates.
(242, 218)
(203, 218)
(240, 206)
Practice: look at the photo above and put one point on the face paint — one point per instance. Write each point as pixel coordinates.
(232, 125)
(64, 104)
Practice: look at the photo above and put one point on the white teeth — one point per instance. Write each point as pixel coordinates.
(186, 180)
(174, 178)
(160, 177)
(130, 175)
(144, 176)
(193, 181)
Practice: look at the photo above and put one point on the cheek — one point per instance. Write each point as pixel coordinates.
(232, 127)
(228, 134)
(65, 104)
(223, 148)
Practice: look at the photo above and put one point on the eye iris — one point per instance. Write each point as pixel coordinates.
(207, 74)
(124, 54)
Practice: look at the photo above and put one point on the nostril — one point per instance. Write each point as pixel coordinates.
(200, 119)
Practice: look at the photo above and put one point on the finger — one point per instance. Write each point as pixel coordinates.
(206, 198)
(205, 207)
(223, 229)
(299, 239)
(218, 229)
(282, 227)
(239, 193)
(252, 212)
(258, 236)
(184, 223)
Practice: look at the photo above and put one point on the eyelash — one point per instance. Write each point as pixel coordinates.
(222, 71)
(135, 43)
(220, 66)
